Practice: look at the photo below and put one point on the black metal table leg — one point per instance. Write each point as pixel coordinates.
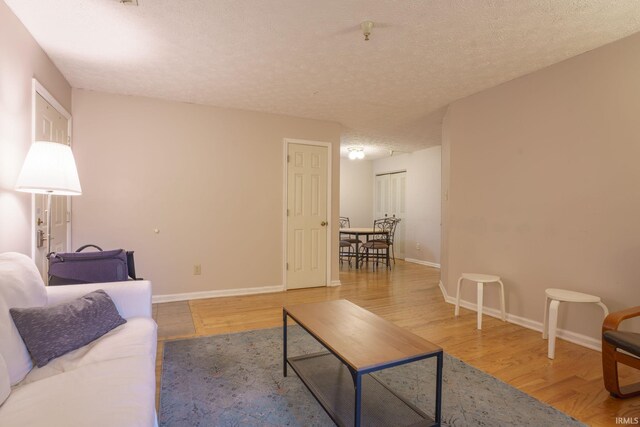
(439, 358)
(358, 386)
(357, 252)
(284, 342)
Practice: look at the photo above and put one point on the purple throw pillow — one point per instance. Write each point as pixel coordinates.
(52, 331)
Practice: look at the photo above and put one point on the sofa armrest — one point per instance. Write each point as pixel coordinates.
(132, 298)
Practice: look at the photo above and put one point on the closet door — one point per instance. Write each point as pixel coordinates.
(389, 201)
(397, 191)
(381, 196)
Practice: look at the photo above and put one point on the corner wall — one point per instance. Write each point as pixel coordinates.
(21, 59)
(209, 179)
(543, 186)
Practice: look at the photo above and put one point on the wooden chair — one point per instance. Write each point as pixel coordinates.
(614, 340)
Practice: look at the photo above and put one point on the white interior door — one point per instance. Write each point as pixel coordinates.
(51, 125)
(390, 200)
(306, 216)
(381, 192)
(397, 191)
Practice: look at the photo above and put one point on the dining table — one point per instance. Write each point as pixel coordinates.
(360, 231)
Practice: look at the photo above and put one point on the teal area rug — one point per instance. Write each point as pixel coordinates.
(236, 380)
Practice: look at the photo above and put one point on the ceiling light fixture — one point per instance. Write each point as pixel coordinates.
(356, 153)
(366, 29)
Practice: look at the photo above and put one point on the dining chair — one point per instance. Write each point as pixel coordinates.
(346, 245)
(379, 246)
(391, 237)
(345, 223)
(346, 252)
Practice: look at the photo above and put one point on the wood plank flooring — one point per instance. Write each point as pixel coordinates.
(409, 296)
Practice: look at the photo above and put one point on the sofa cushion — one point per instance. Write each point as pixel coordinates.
(137, 337)
(5, 386)
(20, 286)
(118, 392)
(52, 331)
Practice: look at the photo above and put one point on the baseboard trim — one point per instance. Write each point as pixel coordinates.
(580, 339)
(334, 283)
(443, 290)
(216, 294)
(421, 262)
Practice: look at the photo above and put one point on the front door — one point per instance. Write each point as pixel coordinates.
(50, 125)
(306, 216)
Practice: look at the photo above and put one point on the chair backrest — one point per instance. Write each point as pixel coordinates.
(386, 224)
(383, 225)
(344, 222)
(394, 225)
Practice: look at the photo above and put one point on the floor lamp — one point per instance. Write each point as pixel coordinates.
(49, 169)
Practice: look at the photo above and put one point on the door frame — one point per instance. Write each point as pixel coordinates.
(285, 150)
(38, 89)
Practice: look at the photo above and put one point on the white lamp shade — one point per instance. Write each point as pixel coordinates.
(49, 168)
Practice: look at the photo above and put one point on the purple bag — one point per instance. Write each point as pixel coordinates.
(88, 267)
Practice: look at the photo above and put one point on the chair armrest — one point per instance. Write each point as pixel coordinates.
(132, 298)
(612, 321)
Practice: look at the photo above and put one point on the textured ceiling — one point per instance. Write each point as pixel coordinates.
(308, 58)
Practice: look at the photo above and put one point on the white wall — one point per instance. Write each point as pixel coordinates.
(210, 179)
(544, 187)
(356, 191)
(21, 59)
(422, 200)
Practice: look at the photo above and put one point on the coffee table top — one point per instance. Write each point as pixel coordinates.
(363, 340)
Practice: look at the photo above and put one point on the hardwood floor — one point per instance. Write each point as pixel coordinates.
(409, 296)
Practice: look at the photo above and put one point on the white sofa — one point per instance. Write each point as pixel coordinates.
(109, 382)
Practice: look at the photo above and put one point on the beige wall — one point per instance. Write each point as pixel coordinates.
(21, 59)
(356, 191)
(423, 210)
(210, 179)
(544, 186)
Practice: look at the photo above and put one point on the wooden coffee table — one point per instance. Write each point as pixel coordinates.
(359, 343)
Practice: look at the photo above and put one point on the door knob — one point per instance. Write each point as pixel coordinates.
(324, 223)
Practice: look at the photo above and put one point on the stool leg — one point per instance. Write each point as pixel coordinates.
(545, 327)
(604, 308)
(553, 323)
(480, 294)
(504, 314)
(457, 310)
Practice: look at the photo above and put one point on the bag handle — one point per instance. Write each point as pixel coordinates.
(81, 248)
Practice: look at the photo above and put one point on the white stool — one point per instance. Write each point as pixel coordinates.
(480, 279)
(556, 296)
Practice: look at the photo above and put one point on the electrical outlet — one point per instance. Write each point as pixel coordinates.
(417, 246)
(197, 270)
